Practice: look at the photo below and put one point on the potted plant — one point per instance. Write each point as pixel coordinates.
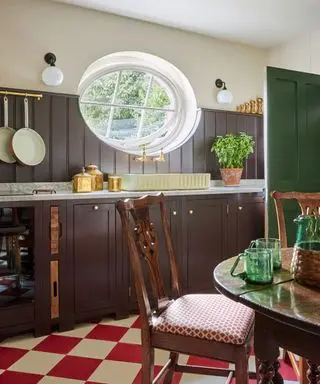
(232, 151)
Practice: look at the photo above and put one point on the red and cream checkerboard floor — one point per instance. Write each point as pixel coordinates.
(108, 353)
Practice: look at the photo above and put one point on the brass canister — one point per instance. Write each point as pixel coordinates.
(260, 105)
(114, 183)
(81, 182)
(96, 177)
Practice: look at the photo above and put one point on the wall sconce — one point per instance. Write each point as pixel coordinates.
(52, 75)
(224, 96)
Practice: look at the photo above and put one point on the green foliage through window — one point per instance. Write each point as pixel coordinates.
(126, 104)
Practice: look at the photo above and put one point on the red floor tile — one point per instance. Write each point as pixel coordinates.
(10, 377)
(107, 332)
(126, 352)
(57, 344)
(9, 356)
(287, 372)
(137, 323)
(157, 368)
(73, 367)
(194, 360)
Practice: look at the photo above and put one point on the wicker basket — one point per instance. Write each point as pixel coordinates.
(305, 266)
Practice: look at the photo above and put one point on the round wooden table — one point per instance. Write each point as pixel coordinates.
(287, 315)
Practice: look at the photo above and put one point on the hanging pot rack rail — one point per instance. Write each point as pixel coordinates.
(38, 96)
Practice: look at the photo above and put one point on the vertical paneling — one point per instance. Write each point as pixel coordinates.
(251, 164)
(70, 144)
(187, 157)
(7, 171)
(135, 166)
(210, 133)
(122, 163)
(91, 148)
(108, 159)
(198, 147)
(23, 173)
(260, 148)
(175, 161)
(59, 138)
(41, 124)
(75, 138)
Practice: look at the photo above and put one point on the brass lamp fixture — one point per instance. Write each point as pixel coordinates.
(160, 158)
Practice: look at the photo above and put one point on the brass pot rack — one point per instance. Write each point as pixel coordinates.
(38, 96)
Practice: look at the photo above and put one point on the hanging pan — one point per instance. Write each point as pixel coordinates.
(28, 146)
(6, 135)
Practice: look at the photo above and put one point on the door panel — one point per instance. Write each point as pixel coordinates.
(293, 121)
(205, 224)
(94, 256)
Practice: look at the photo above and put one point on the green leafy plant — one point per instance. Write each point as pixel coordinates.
(233, 150)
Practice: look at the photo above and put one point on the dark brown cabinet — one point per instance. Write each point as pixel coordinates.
(203, 247)
(245, 223)
(94, 255)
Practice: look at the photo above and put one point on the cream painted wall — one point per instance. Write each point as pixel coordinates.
(31, 28)
(301, 54)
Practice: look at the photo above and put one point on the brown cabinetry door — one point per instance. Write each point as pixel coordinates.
(204, 225)
(94, 231)
(245, 223)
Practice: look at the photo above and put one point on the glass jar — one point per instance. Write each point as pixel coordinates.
(308, 230)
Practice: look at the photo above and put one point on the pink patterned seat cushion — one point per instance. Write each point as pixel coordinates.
(210, 317)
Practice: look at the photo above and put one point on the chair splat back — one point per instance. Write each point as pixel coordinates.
(309, 204)
(144, 246)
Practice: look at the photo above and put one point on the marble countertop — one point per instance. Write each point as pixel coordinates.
(23, 191)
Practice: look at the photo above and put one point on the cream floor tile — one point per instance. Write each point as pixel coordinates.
(59, 380)
(115, 372)
(27, 341)
(120, 323)
(133, 336)
(161, 357)
(36, 362)
(81, 330)
(98, 349)
(188, 378)
(252, 364)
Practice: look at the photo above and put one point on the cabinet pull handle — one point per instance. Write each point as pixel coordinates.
(174, 213)
(95, 207)
(240, 208)
(191, 211)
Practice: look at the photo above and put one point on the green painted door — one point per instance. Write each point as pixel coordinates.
(292, 139)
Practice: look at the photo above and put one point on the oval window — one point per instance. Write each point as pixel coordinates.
(128, 102)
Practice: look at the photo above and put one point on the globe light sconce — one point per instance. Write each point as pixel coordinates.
(52, 75)
(224, 96)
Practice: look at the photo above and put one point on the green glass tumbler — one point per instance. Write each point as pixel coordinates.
(273, 245)
(258, 266)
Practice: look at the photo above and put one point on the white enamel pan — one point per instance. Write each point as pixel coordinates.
(6, 135)
(28, 146)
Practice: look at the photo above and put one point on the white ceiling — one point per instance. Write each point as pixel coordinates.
(262, 23)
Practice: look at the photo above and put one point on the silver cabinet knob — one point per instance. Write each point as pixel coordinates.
(174, 213)
(95, 207)
(191, 211)
(240, 208)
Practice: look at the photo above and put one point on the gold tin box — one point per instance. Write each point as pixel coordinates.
(114, 183)
(96, 177)
(81, 182)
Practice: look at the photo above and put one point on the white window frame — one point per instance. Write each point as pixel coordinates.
(185, 117)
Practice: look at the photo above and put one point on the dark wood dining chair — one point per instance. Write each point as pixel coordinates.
(205, 325)
(309, 204)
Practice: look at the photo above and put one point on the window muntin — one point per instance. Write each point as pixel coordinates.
(127, 104)
(160, 111)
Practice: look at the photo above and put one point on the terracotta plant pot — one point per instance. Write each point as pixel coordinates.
(231, 176)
